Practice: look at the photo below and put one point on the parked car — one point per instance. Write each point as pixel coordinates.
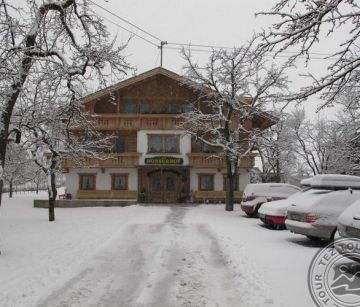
(274, 213)
(257, 194)
(316, 212)
(349, 230)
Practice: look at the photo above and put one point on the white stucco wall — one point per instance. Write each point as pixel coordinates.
(244, 178)
(103, 180)
(142, 145)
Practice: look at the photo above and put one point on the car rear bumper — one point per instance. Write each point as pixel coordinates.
(307, 229)
(272, 219)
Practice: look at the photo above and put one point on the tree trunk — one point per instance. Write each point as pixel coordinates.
(37, 188)
(10, 189)
(229, 202)
(52, 196)
(278, 170)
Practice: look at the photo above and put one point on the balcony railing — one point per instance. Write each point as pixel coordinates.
(207, 160)
(116, 160)
(137, 122)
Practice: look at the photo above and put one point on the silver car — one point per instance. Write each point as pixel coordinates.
(349, 232)
(315, 214)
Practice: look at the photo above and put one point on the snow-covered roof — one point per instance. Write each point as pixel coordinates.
(330, 180)
(306, 182)
(270, 189)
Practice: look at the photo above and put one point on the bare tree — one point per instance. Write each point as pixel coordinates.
(62, 40)
(304, 24)
(54, 130)
(36, 176)
(276, 150)
(234, 88)
(319, 143)
(16, 166)
(348, 126)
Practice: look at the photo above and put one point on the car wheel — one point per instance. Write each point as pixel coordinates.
(334, 235)
(279, 227)
(256, 211)
(251, 214)
(312, 238)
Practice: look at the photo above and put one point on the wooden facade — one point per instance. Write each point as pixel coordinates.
(133, 111)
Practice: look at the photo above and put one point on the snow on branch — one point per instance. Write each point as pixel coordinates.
(234, 90)
(304, 24)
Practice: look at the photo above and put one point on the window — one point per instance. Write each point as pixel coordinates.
(170, 182)
(236, 183)
(130, 107)
(119, 144)
(156, 182)
(188, 108)
(144, 107)
(171, 144)
(163, 144)
(206, 182)
(206, 148)
(174, 108)
(87, 182)
(155, 143)
(119, 181)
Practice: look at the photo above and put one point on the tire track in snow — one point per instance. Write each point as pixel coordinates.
(168, 264)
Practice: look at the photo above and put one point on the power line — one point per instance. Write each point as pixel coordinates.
(199, 45)
(126, 21)
(157, 58)
(231, 48)
(275, 56)
(131, 32)
(189, 45)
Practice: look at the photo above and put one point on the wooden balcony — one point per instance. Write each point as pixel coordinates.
(117, 160)
(215, 196)
(137, 122)
(208, 160)
(105, 194)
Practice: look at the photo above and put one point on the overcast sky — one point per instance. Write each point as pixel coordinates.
(210, 22)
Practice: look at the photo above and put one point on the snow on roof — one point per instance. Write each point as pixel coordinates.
(306, 182)
(330, 180)
(270, 189)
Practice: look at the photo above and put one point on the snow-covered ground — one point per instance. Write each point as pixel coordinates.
(147, 256)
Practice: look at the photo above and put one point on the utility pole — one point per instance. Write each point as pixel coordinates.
(162, 43)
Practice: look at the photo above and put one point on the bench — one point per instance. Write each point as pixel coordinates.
(65, 196)
(106, 194)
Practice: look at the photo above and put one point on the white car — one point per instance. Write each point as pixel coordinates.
(274, 213)
(257, 194)
(316, 212)
(349, 231)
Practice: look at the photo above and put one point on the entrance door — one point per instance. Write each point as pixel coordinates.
(164, 186)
